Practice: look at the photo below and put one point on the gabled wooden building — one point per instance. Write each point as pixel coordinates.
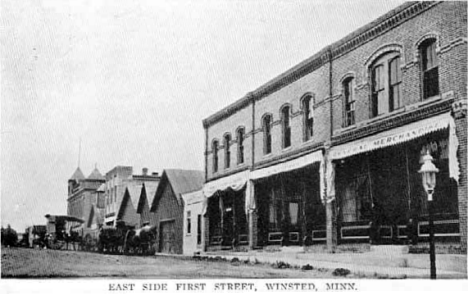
(146, 197)
(168, 207)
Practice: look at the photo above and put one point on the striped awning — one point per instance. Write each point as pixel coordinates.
(235, 182)
(404, 134)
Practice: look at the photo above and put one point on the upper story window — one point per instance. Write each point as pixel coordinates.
(285, 122)
(240, 145)
(266, 125)
(227, 152)
(308, 119)
(386, 80)
(214, 149)
(430, 68)
(349, 102)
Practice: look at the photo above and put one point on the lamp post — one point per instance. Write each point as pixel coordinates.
(428, 172)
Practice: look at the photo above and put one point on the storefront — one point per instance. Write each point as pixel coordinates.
(227, 210)
(288, 202)
(378, 190)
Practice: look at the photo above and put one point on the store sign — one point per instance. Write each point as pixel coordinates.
(392, 137)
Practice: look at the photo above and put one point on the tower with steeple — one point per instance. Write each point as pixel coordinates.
(82, 193)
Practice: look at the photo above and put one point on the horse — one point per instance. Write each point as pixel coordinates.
(140, 241)
(111, 239)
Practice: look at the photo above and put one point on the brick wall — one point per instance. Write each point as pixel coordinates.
(446, 22)
(315, 84)
(461, 131)
(242, 118)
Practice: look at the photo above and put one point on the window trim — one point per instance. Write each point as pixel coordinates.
(350, 81)
(422, 45)
(215, 156)
(382, 60)
(240, 145)
(227, 138)
(284, 128)
(307, 118)
(267, 142)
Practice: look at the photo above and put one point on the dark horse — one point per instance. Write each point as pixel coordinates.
(140, 241)
(111, 239)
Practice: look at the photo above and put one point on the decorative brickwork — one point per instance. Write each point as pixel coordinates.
(459, 112)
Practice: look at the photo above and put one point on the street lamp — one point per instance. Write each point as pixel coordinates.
(428, 172)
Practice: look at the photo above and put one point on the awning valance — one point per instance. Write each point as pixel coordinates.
(287, 166)
(404, 134)
(235, 182)
(391, 137)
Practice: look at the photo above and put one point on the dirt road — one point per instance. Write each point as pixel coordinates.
(36, 263)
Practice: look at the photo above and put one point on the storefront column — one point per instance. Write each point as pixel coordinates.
(206, 232)
(251, 213)
(330, 202)
(252, 229)
(332, 238)
(459, 112)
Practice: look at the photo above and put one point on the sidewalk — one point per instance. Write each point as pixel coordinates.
(383, 262)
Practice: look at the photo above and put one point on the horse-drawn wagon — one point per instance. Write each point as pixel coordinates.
(63, 230)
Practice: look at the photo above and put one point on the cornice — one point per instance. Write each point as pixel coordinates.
(393, 122)
(372, 30)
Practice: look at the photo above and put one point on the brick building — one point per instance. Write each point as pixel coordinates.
(83, 195)
(117, 180)
(329, 151)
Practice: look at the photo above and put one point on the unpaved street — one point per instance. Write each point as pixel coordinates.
(36, 263)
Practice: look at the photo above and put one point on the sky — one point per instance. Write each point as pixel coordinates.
(135, 79)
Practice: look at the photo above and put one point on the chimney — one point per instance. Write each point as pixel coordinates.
(145, 171)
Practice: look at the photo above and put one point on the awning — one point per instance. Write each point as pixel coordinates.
(287, 166)
(235, 182)
(392, 137)
(403, 134)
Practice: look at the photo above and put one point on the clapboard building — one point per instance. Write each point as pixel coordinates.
(167, 207)
(329, 151)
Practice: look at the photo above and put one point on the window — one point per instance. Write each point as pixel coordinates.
(266, 124)
(227, 152)
(348, 89)
(308, 122)
(430, 69)
(189, 222)
(395, 81)
(214, 149)
(386, 80)
(286, 127)
(240, 146)
(199, 229)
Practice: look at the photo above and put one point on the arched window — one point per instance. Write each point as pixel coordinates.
(214, 149)
(308, 118)
(285, 122)
(227, 152)
(349, 101)
(429, 68)
(240, 145)
(266, 125)
(386, 80)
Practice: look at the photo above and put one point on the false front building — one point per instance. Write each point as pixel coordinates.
(329, 151)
